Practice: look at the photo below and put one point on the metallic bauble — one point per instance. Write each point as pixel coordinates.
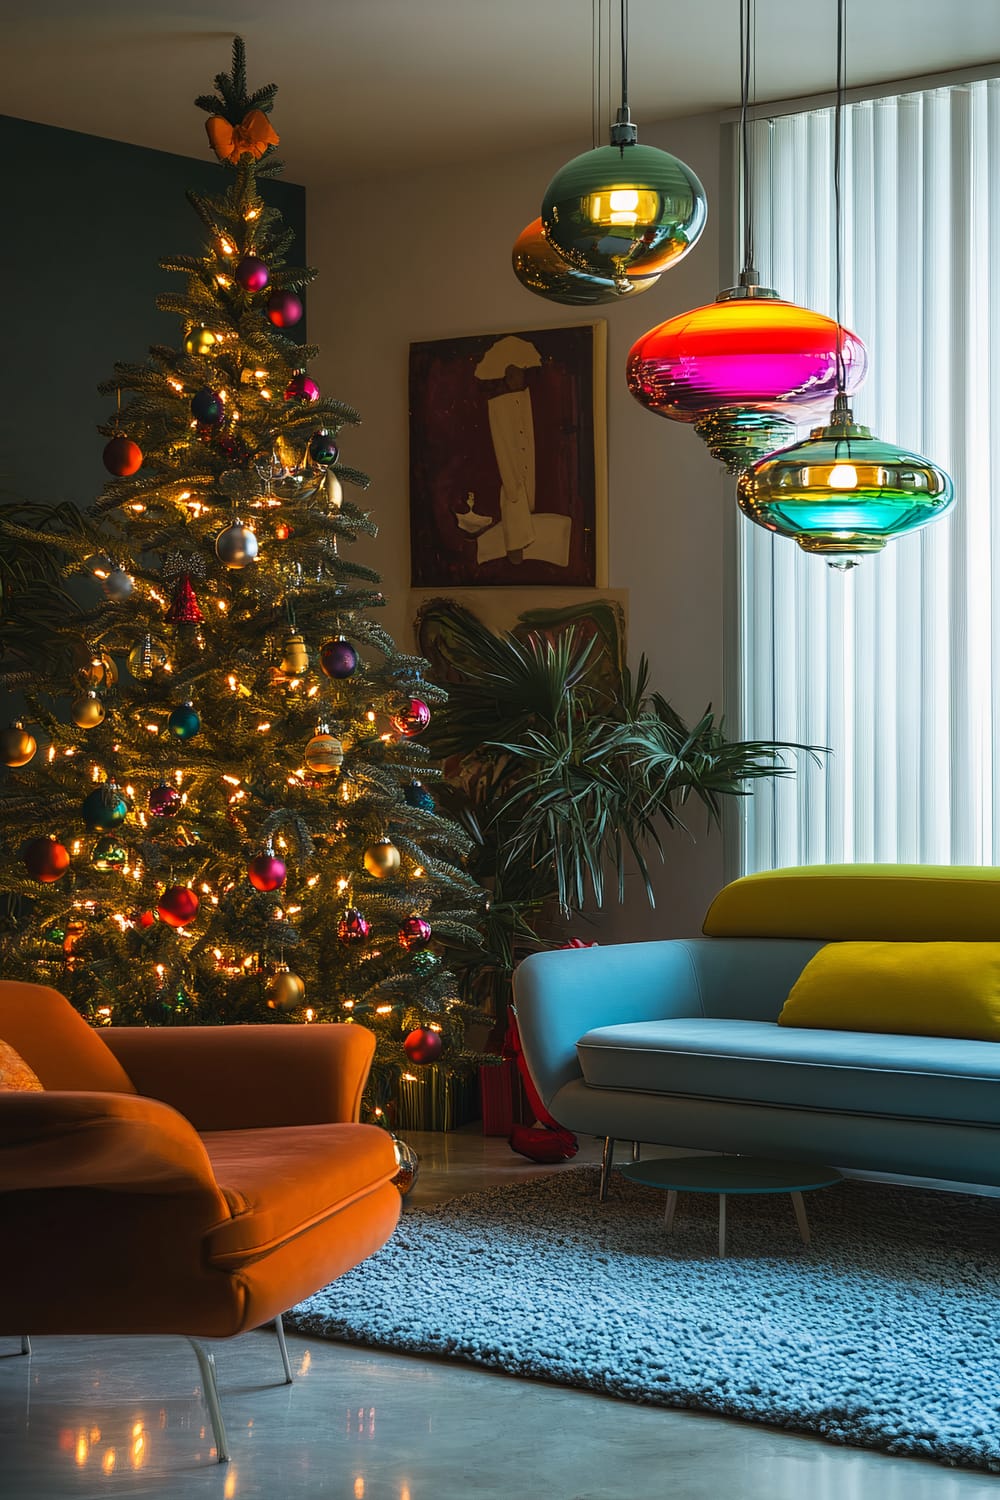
(302, 388)
(252, 273)
(200, 342)
(423, 1046)
(17, 746)
(87, 712)
(236, 547)
(122, 457)
(164, 801)
(415, 794)
(294, 656)
(323, 448)
(413, 719)
(409, 1165)
(284, 990)
(104, 807)
(118, 585)
(414, 933)
(178, 906)
(184, 722)
(353, 927)
(338, 658)
(149, 658)
(324, 754)
(109, 853)
(100, 672)
(266, 872)
(45, 860)
(333, 490)
(284, 309)
(208, 407)
(382, 859)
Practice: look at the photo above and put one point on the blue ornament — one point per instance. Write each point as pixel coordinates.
(417, 795)
(184, 721)
(104, 807)
(207, 406)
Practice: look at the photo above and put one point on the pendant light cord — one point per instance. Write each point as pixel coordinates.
(747, 50)
(838, 151)
(624, 13)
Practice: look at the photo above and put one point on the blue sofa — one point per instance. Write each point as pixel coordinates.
(678, 1043)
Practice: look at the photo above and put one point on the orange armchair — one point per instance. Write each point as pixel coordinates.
(206, 1178)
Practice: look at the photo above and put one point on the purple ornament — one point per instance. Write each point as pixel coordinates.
(208, 407)
(338, 658)
(302, 387)
(252, 273)
(284, 309)
(353, 927)
(266, 872)
(164, 801)
(322, 448)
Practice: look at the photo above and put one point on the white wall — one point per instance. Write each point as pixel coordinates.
(428, 256)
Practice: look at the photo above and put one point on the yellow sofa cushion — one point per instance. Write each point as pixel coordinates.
(14, 1071)
(905, 989)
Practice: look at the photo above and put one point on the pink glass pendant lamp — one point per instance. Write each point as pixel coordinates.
(747, 368)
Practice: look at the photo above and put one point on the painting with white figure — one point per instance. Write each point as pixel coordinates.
(507, 459)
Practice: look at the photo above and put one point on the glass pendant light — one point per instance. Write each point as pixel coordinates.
(843, 493)
(541, 269)
(624, 208)
(748, 367)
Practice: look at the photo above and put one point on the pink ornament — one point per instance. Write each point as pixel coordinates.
(415, 933)
(252, 273)
(164, 801)
(284, 309)
(266, 872)
(413, 719)
(353, 927)
(302, 387)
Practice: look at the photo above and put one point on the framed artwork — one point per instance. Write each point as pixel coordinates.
(508, 463)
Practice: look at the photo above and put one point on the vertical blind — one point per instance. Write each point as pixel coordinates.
(894, 664)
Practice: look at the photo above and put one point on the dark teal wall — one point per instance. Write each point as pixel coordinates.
(85, 222)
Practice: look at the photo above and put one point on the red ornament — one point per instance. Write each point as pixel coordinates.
(282, 531)
(302, 387)
(122, 457)
(423, 1046)
(353, 927)
(164, 801)
(266, 872)
(284, 309)
(252, 273)
(413, 719)
(146, 918)
(177, 906)
(45, 860)
(185, 609)
(415, 933)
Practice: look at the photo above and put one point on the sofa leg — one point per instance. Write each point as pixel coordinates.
(635, 1151)
(206, 1364)
(607, 1161)
(25, 1344)
(279, 1329)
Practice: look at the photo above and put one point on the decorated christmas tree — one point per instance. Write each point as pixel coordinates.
(217, 808)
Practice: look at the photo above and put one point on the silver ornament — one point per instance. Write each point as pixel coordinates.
(118, 584)
(236, 547)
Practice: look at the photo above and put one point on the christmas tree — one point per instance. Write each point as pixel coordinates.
(217, 808)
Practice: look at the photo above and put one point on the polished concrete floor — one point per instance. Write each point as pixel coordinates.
(124, 1418)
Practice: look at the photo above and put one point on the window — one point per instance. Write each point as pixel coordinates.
(895, 665)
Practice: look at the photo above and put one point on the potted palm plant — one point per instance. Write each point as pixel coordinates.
(566, 769)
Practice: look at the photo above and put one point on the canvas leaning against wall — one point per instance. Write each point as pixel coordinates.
(508, 467)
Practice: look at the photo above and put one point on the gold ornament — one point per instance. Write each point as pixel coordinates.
(294, 656)
(382, 858)
(17, 746)
(148, 659)
(324, 753)
(284, 990)
(88, 711)
(408, 1163)
(100, 671)
(200, 341)
(333, 490)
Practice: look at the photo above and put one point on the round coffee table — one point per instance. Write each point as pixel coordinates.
(731, 1174)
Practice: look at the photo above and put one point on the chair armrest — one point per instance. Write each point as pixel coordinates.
(115, 1142)
(559, 996)
(246, 1077)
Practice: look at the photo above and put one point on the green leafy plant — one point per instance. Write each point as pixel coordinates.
(566, 771)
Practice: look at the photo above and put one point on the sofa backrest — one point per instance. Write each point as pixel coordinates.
(746, 979)
(843, 903)
(56, 1041)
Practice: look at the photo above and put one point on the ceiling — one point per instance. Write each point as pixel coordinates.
(374, 86)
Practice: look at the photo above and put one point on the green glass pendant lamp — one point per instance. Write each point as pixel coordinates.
(842, 493)
(749, 367)
(612, 218)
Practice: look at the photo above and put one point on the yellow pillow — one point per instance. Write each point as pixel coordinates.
(14, 1071)
(910, 989)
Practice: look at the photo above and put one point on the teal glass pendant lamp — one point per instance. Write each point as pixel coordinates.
(619, 214)
(843, 493)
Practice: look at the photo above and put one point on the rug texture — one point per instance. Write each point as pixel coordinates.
(883, 1335)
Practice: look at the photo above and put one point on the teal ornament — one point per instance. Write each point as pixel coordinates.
(424, 962)
(56, 934)
(417, 795)
(108, 854)
(184, 722)
(104, 807)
